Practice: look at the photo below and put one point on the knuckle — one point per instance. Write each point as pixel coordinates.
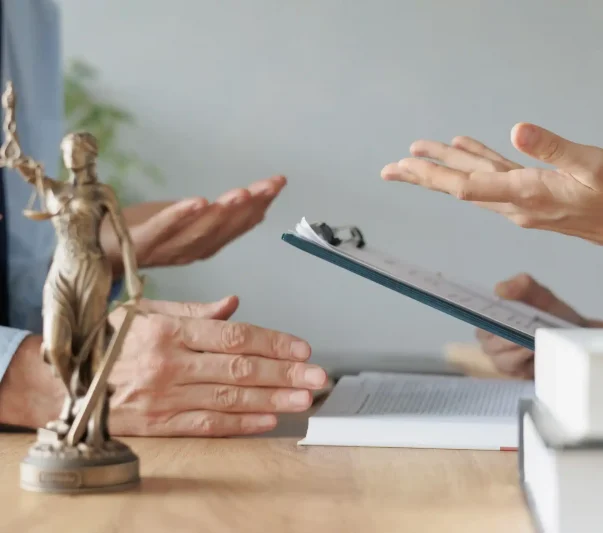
(280, 345)
(290, 371)
(149, 421)
(156, 368)
(162, 328)
(145, 405)
(190, 309)
(462, 192)
(226, 397)
(551, 151)
(530, 199)
(205, 424)
(234, 335)
(240, 368)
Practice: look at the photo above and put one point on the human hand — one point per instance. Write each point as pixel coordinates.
(181, 373)
(31, 393)
(508, 357)
(179, 233)
(568, 199)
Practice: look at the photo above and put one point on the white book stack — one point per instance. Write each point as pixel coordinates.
(561, 433)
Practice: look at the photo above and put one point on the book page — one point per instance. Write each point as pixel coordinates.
(514, 315)
(425, 396)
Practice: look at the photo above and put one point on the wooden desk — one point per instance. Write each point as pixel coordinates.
(268, 485)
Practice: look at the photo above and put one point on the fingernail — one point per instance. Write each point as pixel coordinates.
(526, 135)
(299, 398)
(389, 170)
(300, 350)
(315, 376)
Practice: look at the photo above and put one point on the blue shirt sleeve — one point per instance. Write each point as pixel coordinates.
(10, 339)
(31, 58)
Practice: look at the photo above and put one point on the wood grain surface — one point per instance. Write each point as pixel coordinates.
(271, 485)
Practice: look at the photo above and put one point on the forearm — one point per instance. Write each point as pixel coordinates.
(30, 395)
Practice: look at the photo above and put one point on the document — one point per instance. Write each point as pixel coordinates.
(420, 411)
(462, 299)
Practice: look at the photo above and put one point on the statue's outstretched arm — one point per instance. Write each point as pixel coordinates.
(11, 156)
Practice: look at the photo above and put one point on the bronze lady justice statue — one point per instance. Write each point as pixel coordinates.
(77, 337)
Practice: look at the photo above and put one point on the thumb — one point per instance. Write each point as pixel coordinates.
(549, 147)
(523, 288)
(220, 310)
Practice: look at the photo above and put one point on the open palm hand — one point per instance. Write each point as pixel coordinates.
(567, 199)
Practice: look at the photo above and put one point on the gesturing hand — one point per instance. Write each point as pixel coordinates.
(511, 358)
(567, 200)
(182, 373)
(178, 233)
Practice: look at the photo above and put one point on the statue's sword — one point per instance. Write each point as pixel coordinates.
(99, 382)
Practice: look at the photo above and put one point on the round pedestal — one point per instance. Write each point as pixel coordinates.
(51, 468)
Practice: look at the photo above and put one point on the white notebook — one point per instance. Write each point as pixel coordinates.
(420, 411)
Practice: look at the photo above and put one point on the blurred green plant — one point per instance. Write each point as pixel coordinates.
(85, 111)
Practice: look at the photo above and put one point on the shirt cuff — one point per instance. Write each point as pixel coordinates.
(10, 340)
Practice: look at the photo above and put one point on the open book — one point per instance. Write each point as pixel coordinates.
(420, 411)
(514, 321)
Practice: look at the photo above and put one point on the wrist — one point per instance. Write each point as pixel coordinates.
(30, 395)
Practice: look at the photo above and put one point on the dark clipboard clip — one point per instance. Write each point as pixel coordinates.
(336, 235)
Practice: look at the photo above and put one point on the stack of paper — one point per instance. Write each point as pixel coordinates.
(561, 433)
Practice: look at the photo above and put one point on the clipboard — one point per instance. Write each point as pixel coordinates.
(345, 247)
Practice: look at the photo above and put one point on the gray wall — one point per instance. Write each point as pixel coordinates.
(327, 92)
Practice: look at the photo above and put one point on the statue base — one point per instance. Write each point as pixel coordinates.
(52, 466)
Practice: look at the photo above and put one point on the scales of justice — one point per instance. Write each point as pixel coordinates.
(75, 452)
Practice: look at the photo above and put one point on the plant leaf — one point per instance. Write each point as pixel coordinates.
(84, 110)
